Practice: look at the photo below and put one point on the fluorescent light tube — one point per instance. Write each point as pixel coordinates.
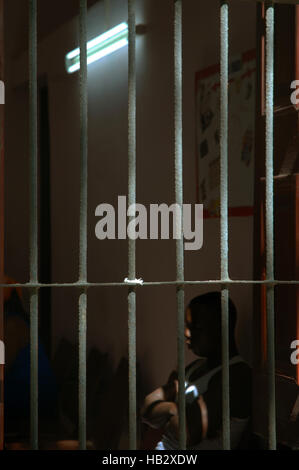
(99, 47)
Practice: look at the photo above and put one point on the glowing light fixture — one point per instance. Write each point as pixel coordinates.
(99, 47)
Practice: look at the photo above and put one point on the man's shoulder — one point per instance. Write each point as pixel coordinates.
(240, 389)
(240, 377)
(196, 368)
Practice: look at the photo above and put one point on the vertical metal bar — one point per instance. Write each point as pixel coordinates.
(297, 49)
(223, 218)
(34, 368)
(33, 223)
(297, 189)
(1, 224)
(107, 13)
(131, 242)
(83, 223)
(270, 221)
(178, 157)
(82, 369)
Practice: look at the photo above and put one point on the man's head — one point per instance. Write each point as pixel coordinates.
(203, 325)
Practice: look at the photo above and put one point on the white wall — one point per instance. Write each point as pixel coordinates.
(107, 80)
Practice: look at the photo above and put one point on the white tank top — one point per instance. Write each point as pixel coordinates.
(194, 389)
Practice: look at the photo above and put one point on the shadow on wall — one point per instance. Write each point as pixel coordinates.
(107, 397)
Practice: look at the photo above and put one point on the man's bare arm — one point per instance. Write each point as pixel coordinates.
(196, 425)
(159, 406)
(159, 413)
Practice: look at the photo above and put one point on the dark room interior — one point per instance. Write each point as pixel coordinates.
(171, 338)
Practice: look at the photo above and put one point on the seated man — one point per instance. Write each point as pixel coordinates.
(203, 385)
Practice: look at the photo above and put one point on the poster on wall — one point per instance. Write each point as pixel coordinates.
(241, 97)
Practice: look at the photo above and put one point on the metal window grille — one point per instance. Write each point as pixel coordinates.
(224, 282)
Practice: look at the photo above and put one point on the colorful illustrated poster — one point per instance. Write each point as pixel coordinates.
(242, 71)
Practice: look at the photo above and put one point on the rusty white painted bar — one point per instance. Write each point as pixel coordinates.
(155, 283)
(33, 224)
(82, 303)
(282, 2)
(269, 215)
(132, 242)
(224, 220)
(178, 163)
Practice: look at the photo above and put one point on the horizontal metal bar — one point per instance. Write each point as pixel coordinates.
(283, 2)
(154, 283)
